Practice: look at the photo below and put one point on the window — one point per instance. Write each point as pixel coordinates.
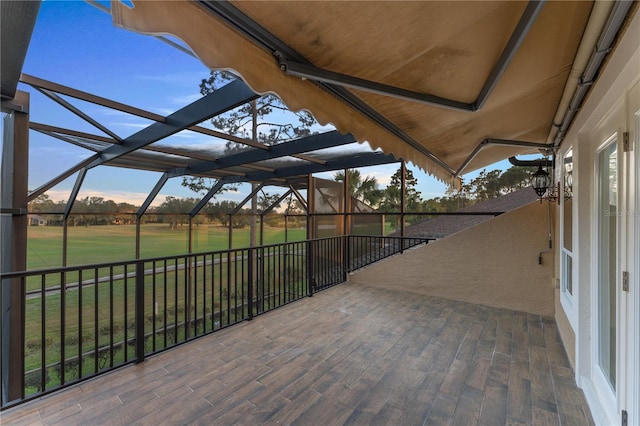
(567, 224)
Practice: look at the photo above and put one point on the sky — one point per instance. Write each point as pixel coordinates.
(75, 44)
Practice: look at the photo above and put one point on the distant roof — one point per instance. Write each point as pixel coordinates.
(443, 226)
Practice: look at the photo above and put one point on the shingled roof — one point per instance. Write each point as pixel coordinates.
(443, 226)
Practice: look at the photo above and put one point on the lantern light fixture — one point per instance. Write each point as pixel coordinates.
(540, 181)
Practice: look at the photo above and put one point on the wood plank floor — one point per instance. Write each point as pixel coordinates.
(349, 355)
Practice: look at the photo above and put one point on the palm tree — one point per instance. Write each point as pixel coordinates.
(364, 189)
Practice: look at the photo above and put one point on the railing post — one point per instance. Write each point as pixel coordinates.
(260, 284)
(309, 268)
(346, 257)
(139, 315)
(187, 302)
(250, 284)
(403, 196)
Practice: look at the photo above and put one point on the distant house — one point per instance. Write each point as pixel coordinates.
(35, 220)
(443, 226)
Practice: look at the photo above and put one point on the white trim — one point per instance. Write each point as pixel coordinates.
(633, 127)
(597, 410)
(603, 390)
(568, 301)
(635, 415)
(608, 98)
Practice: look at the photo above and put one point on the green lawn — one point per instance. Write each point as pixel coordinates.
(101, 316)
(110, 243)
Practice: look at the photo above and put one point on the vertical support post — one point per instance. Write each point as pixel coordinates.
(310, 235)
(230, 231)
(309, 250)
(403, 196)
(347, 204)
(250, 282)
(13, 193)
(346, 231)
(311, 205)
(286, 227)
(262, 229)
(139, 315)
(254, 186)
(138, 221)
(190, 237)
(65, 240)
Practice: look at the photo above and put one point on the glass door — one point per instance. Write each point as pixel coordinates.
(607, 259)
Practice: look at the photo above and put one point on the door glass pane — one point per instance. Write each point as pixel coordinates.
(567, 200)
(607, 255)
(567, 214)
(567, 275)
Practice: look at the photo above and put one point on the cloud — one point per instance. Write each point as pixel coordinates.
(135, 198)
(185, 99)
(131, 125)
(164, 111)
(112, 112)
(180, 78)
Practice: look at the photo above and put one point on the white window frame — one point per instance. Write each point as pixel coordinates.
(608, 397)
(567, 298)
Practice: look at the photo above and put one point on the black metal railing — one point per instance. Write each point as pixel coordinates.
(86, 320)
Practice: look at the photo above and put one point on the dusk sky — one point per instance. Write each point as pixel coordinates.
(76, 44)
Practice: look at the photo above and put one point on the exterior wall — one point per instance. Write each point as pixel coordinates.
(566, 330)
(609, 109)
(493, 264)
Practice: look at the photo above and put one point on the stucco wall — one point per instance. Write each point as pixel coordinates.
(493, 264)
(566, 331)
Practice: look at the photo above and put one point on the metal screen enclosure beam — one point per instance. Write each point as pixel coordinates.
(217, 187)
(228, 97)
(13, 197)
(298, 146)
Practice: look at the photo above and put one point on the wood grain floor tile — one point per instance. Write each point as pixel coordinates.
(352, 354)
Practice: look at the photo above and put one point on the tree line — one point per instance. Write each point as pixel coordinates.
(90, 211)
(174, 211)
(488, 184)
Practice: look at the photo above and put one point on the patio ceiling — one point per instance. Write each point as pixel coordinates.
(429, 82)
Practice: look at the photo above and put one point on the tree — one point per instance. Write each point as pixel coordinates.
(393, 194)
(496, 183)
(516, 178)
(174, 210)
(44, 204)
(485, 186)
(392, 197)
(256, 120)
(364, 189)
(265, 200)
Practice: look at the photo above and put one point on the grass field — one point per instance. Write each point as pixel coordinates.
(110, 243)
(90, 327)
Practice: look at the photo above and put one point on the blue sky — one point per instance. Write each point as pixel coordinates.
(75, 44)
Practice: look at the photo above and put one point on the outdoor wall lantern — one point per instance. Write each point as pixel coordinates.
(540, 181)
(568, 183)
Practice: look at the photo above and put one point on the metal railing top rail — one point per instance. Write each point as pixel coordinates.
(453, 213)
(71, 268)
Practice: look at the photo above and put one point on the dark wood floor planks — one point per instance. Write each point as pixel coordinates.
(349, 355)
